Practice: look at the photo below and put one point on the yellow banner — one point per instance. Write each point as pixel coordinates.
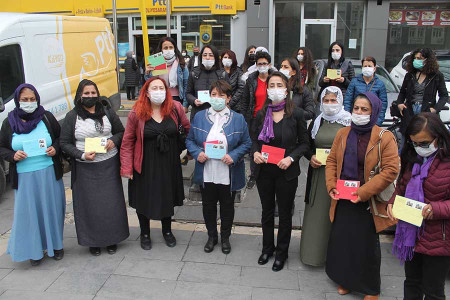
(88, 8)
(223, 7)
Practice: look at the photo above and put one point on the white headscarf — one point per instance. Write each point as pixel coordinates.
(342, 117)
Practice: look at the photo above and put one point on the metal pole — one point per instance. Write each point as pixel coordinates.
(168, 17)
(115, 40)
(144, 31)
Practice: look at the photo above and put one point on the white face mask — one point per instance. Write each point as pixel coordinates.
(368, 71)
(276, 95)
(28, 107)
(360, 120)
(168, 54)
(183, 54)
(263, 69)
(286, 73)
(336, 55)
(208, 64)
(300, 57)
(331, 109)
(133, 56)
(425, 152)
(227, 62)
(157, 97)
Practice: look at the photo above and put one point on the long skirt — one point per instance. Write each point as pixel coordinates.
(99, 204)
(39, 211)
(354, 255)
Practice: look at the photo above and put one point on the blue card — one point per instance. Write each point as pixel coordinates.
(215, 151)
(35, 147)
(203, 96)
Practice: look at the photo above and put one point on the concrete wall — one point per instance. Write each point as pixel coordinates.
(239, 35)
(376, 32)
(258, 23)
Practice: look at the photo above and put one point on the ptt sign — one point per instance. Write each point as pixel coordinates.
(156, 7)
(223, 7)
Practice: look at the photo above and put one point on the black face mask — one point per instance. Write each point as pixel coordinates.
(196, 53)
(89, 101)
(251, 58)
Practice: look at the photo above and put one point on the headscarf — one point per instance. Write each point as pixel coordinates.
(342, 117)
(16, 116)
(350, 167)
(267, 133)
(129, 54)
(99, 113)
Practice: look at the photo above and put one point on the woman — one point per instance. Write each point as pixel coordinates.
(219, 178)
(354, 256)
(132, 75)
(178, 73)
(40, 201)
(336, 60)
(100, 214)
(301, 96)
(316, 223)
(249, 58)
(233, 76)
(425, 177)
(421, 85)
(307, 67)
(278, 124)
(367, 81)
(202, 77)
(150, 158)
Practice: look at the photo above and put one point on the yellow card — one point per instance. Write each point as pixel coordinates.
(408, 210)
(96, 145)
(334, 73)
(322, 155)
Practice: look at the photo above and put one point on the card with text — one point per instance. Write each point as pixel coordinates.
(408, 210)
(322, 155)
(96, 145)
(346, 188)
(215, 151)
(334, 74)
(35, 147)
(273, 155)
(203, 96)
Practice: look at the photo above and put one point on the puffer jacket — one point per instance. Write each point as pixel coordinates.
(132, 73)
(304, 101)
(435, 237)
(234, 79)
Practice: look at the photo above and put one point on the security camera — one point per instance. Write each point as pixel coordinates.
(235, 17)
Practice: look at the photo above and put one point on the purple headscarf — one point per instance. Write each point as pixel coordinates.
(16, 116)
(350, 167)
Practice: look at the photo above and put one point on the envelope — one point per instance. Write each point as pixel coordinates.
(203, 96)
(273, 155)
(408, 210)
(35, 147)
(333, 73)
(322, 155)
(210, 142)
(215, 151)
(346, 188)
(96, 145)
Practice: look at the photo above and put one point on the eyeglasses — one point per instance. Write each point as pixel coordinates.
(424, 145)
(262, 64)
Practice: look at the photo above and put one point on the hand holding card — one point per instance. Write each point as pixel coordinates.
(346, 188)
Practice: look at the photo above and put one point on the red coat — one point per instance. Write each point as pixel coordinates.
(435, 239)
(131, 151)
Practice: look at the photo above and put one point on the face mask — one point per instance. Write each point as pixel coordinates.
(157, 97)
(133, 56)
(425, 152)
(89, 101)
(360, 120)
(227, 62)
(286, 73)
(276, 95)
(195, 53)
(336, 55)
(418, 63)
(217, 103)
(28, 107)
(368, 71)
(300, 57)
(168, 54)
(183, 54)
(251, 58)
(208, 64)
(331, 109)
(263, 69)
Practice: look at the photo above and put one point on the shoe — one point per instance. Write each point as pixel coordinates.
(226, 246)
(111, 249)
(342, 290)
(278, 265)
(35, 263)
(369, 297)
(146, 242)
(170, 239)
(209, 247)
(251, 183)
(59, 254)
(264, 259)
(96, 251)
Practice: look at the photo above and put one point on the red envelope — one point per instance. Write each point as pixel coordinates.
(161, 67)
(272, 154)
(346, 188)
(210, 142)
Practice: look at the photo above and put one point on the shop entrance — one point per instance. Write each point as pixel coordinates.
(317, 36)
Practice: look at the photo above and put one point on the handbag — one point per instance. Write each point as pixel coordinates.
(181, 134)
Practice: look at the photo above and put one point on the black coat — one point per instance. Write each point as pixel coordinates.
(132, 72)
(294, 140)
(234, 79)
(304, 101)
(348, 72)
(7, 153)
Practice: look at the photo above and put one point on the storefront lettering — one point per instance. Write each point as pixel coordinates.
(88, 11)
(155, 10)
(160, 2)
(224, 7)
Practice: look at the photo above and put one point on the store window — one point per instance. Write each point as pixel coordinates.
(414, 26)
(122, 29)
(287, 30)
(155, 23)
(11, 72)
(349, 29)
(319, 11)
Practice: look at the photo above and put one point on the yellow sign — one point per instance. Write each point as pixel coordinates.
(223, 7)
(408, 210)
(156, 7)
(189, 47)
(96, 145)
(205, 33)
(88, 8)
(333, 73)
(322, 155)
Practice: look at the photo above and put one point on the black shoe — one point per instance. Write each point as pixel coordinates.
(146, 242)
(209, 247)
(170, 239)
(264, 259)
(251, 183)
(96, 251)
(226, 246)
(278, 265)
(35, 263)
(59, 254)
(111, 249)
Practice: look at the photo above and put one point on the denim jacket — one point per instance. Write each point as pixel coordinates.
(238, 139)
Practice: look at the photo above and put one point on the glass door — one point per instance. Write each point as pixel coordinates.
(317, 36)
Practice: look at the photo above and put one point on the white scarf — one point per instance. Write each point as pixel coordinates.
(172, 77)
(342, 117)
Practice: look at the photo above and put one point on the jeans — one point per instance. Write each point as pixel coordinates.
(417, 108)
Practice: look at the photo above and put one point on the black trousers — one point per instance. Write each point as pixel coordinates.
(211, 193)
(426, 274)
(144, 223)
(272, 185)
(131, 92)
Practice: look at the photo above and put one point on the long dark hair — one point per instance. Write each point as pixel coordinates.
(295, 82)
(308, 61)
(216, 57)
(232, 56)
(177, 52)
(330, 60)
(430, 66)
(289, 108)
(83, 113)
(433, 125)
(246, 64)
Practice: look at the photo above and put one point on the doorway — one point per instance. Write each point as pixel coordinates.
(317, 35)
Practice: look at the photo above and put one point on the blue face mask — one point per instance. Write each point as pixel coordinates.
(217, 103)
(418, 63)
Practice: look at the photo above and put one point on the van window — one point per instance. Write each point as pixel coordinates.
(11, 71)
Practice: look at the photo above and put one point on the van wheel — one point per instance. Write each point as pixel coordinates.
(2, 180)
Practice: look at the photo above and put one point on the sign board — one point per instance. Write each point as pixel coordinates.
(420, 17)
(205, 33)
(223, 7)
(189, 47)
(156, 7)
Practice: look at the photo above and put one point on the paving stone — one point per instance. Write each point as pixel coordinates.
(78, 283)
(196, 291)
(196, 253)
(240, 256)
(247, 216)
(210, 273)
(392, 286)
(159, 251)
(270, 294)
(392, 266)
(6, 220)
(336, 296)
(315, 282)
(190, 213)
(265, 277)
(26, 295)
(70, 231)
(4, 272)
(29, 280)
(147, 268)
(183, 236)
(295, 264)
(7, 263)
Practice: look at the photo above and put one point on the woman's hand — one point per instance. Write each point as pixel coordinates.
(202, 157)
(326, 79)
(432, 110)
(128, 176)
(198, 102)
(186, 110)
(315, 163)
(284, 163)
(89, 156)
(427, 212)
(357, 199)
(258, 158)
(109, 145)
(401, 107)
(333, 194)
(149, 69)
(390, 213)
(227, 159)
(20, 155)
(50, 151)
(340, 79)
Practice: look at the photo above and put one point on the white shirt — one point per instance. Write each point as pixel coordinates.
(215, 170)
(196, 61)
